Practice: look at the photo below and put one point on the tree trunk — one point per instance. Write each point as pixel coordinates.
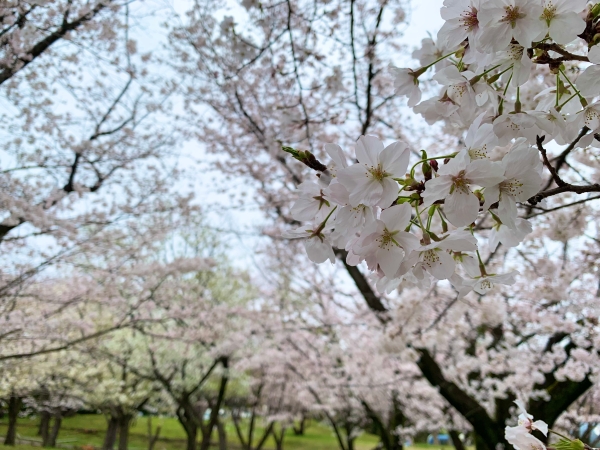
(192, 437)
(397, 443)
(458, 443)
(153, 438)
(480, 443)
(299, 431)
(187, 419)
(14, 407)
(214, 413)
(222, 435)
(124, 422)
(111, 434)
(44, 425)
(350, 442)
(278, 437)
(51, 442)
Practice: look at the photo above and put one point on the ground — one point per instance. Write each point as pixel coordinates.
(88, 429)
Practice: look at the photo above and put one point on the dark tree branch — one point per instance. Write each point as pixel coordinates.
(43, 45)
(372, 299)
(562, 158)
(577, 189)
(566, 56)
(540, 140)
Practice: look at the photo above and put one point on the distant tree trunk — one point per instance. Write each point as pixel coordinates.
(111, 434)
(53, 436)
(222, 435)
(152, 438)
(192, 437)
(14, 407)
(350, 442)
(215, 408)
(124, 422)
(458, 443)
(299, 430)
(278, 437)
(187, 418)
(44, 424)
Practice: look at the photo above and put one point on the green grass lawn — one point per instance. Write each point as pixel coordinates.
(88, 429)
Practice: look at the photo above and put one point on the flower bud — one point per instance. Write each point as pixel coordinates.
(427, 172)
(434, 165)
(493, 78)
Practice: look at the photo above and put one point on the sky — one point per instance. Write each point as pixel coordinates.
(424, 18)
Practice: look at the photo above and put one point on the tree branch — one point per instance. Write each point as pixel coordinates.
(43, 45)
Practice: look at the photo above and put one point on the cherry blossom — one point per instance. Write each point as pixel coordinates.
(526, 420)
(521, 439)
(453, 184)
(406, 83)
(507, 236)
(312, 203)
(522, 179)
(460, 22)
(504, 20)
(516, 56)
(520, 436)
(317, 244)
(563, 19)
(436, 258)
(385, 243)
(482, 284)
(480, 139)
(587, 82)
(370, 182)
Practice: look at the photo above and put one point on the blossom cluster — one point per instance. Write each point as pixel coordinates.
(416, 222)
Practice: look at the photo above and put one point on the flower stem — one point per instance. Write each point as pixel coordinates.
(438, 60)
(412, 169)
(583, 101)
(559, 434)
(481, 264)
(476, 78)
(320, 227)
(557, 89)
(426, 238)
(501, 107)
(559, 107)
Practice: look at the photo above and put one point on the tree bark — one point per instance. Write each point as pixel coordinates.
(111, 434)
(14, 408)
(214, 413)
(153, 438)
(222, 435)
(192, 437)
(299, 430)
(124, 422)
(43, 44)
(53, 436)
(278, 437)
(186, 415)
(44, 427)
(456, 441)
